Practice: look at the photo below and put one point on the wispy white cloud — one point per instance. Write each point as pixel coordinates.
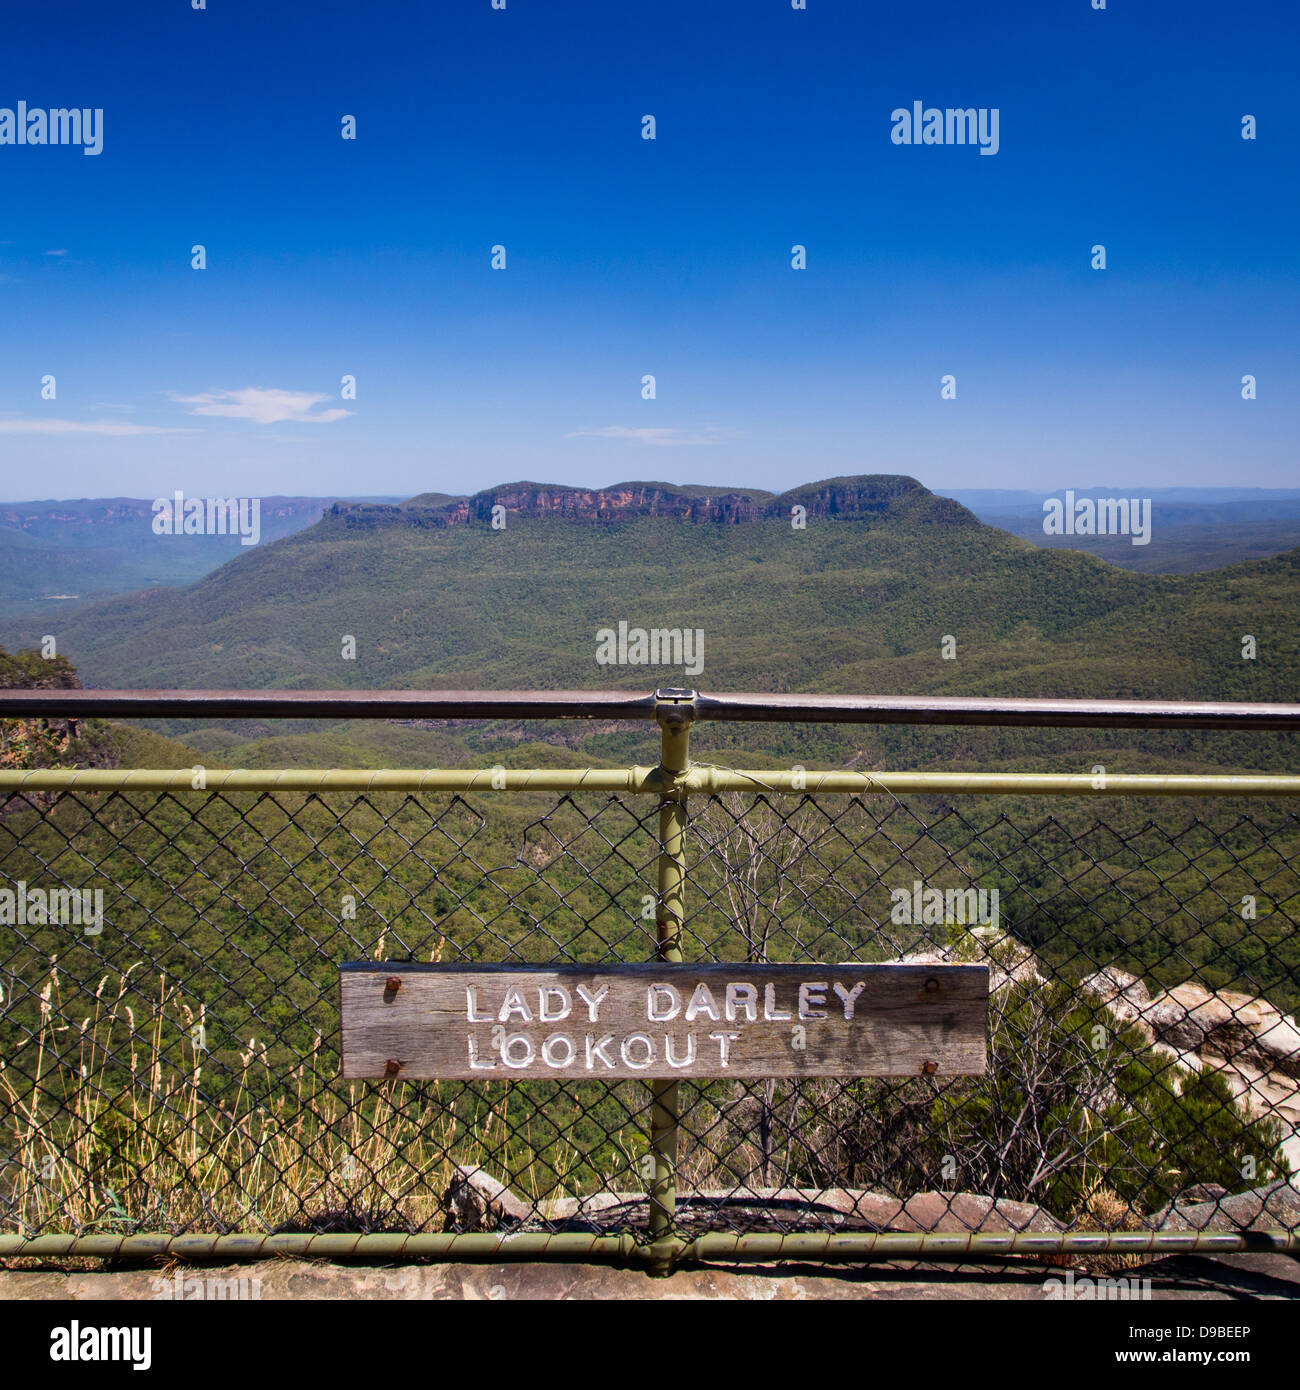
(28, 426)
(657, 435)
(62, 252)
(264, 406)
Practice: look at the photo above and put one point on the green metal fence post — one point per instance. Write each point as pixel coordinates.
(674, 713)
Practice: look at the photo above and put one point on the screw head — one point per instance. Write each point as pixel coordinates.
(392, 1067)
(929, 1068)
(394, 983)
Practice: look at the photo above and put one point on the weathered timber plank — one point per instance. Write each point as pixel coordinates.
(658, 1022)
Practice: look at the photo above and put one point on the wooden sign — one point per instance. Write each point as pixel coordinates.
(658, 1022)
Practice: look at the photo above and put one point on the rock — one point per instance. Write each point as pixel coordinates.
(1266, 1095)
(1123, 994)
(847, 1207)
(1252, 1044)
(1189, 1061)
(1192, 1019)
(588, 1208)
(1009, 961)
(1016, 965)
(522, 1282)
(1274, 1206)
(970, 1211)
(1118, 989)
(476, 1201)
(827, 1206)
(1201, 1192)
(1237, 1028)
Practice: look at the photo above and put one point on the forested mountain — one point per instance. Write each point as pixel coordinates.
(857, 592)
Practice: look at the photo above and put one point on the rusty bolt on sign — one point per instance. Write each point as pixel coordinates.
(391, 1068)
(929, 1068)
(393, 983)
(931, 985)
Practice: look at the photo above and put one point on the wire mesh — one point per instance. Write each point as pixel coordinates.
(169, 1021)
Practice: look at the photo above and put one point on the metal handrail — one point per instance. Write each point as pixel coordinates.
(631, 705)
(701, 778)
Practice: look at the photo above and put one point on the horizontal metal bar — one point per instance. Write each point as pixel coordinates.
(506, 1246)
(635, 779)
(537, 1245)
(328, 704)
(615, 704)
(700, 779)
(707, 779)
(1028, 713)
(933, 1245)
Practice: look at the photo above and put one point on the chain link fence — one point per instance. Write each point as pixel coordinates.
(169, 1013)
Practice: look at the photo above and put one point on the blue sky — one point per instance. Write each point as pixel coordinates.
(626, 256)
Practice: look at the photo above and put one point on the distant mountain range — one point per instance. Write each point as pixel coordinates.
(1192, 528)
(860, 597)
(70, 551)
(57, 556)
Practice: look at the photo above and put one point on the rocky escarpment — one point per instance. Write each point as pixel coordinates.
(1254, 1046)
(875, 497)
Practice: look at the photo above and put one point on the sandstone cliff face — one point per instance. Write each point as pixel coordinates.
(866, 498)
(622, 502)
